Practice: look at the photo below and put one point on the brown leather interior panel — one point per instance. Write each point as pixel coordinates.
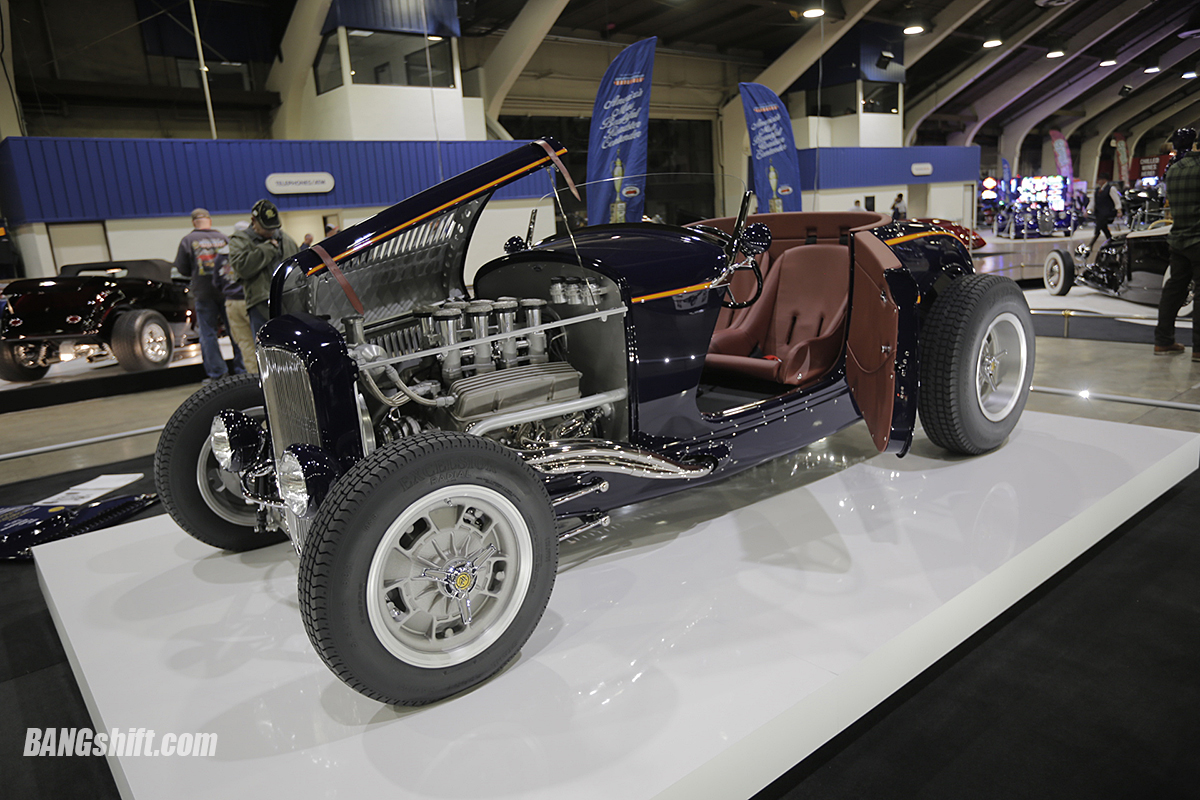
(871, 343)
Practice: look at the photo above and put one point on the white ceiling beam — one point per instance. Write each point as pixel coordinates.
(945, 22)
(517, 46)
(930, 101)
(1024, 81)
(1013, 134)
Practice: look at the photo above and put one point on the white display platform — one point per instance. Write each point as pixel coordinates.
(698, 648)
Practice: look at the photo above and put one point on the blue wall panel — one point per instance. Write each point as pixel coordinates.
(854, 167)
(439, 17)
(76, 180)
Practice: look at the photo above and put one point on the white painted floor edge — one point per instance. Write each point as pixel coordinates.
(800, 730)
(702, 648)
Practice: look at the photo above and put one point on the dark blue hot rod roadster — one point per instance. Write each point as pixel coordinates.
(425, 446)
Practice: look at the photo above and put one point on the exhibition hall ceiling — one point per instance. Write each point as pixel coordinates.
(1138, 33)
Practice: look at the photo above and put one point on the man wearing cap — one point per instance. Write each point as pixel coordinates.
(1183, 194)
(254, 253)
(199, 257)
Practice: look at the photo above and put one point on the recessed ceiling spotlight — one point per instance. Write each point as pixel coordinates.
(914, 29)
(1189, 74)
(814, 10)
(993, 42)
(1108, 62)
(1151, 70)
(1056, 52)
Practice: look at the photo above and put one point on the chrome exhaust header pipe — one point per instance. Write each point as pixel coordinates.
(597, 455)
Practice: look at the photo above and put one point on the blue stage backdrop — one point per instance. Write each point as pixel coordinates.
(617, 139)
(772, 148)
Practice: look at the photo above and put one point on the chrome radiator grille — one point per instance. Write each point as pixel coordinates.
(291, 414)
(291, 410)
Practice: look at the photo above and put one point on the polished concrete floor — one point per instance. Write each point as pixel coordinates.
(1112, 368)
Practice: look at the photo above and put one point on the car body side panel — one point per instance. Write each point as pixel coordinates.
(871, 343)
(83, 308)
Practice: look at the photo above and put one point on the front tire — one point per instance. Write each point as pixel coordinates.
(1058, 273)
(203, 499)
(977, 364)
(427, 567)
(15, 368)
(142, 340)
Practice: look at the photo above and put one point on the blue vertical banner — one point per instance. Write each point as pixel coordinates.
(1005, 181)
(617, 141)
(773, 149)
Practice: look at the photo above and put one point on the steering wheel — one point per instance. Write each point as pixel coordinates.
(730, 302)
(752, 240)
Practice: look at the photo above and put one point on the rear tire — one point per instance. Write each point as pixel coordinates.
(202, 498)
(1058, 273)
(142, 340)
(977, 364)
(12, 367)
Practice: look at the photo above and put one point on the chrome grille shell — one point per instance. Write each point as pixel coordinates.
(291, 413)
(291, 407)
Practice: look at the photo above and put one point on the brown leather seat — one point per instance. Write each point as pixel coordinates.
(740, 331)
(797, 326)
(798, 323)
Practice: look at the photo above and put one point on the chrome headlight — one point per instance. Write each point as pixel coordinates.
(305, 473)
(236, 440)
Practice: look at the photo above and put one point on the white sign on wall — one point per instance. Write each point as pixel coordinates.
(299, 182)
(922, 168)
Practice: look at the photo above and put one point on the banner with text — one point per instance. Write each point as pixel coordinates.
(617, 140)
(1005, 181)
(773, 148)
(1120, 159)
(1062, 157)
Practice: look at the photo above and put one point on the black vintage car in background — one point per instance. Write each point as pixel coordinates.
(131, 310)
(426, 447)
(1132, 266)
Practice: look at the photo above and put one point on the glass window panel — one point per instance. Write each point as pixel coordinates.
(881, 98)
(400, 59)
(832, 101)
(328, 67)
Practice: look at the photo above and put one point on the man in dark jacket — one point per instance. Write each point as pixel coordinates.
(255, 253)
(1106, 207)
(198, 258)
(1183, 194)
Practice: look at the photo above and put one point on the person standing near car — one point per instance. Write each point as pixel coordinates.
(235, 306)
(253, 255)
(1183, 193)
(197, 259)
(899, 208)
(1106, 207)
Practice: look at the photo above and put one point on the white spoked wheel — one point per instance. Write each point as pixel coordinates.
(428, 566)
(448, 576)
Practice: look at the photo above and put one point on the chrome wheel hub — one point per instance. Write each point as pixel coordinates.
(1001, 365)
(154, 342)
(448, 576)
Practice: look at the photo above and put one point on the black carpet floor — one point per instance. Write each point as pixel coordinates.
(1087, 688)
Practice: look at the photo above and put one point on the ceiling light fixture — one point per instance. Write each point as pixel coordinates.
(1108, 62)
(993, 42)
(813, 13)
(1056, 53)
(1151, 70)
(1189, 74)
(914, 29)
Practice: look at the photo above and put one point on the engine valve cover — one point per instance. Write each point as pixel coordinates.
(480, 396)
